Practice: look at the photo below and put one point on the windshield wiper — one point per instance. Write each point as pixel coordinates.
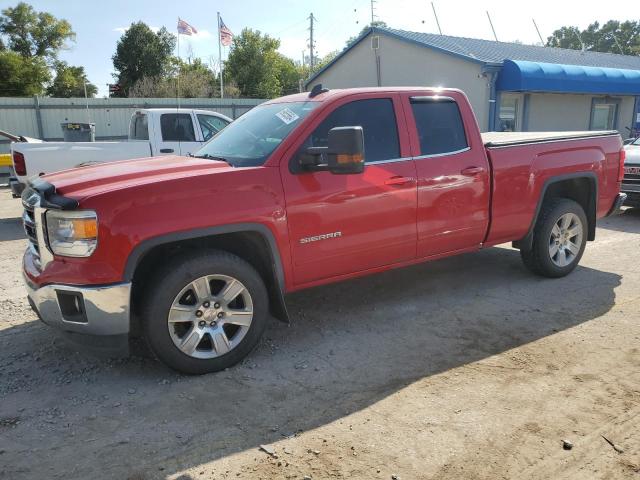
(208, 156)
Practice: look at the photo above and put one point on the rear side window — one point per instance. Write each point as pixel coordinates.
(177, 127)
(378, 121)
(139, 128)
(439, 125)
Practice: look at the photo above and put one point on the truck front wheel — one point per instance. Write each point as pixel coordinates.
(204, 312)
(559, 239)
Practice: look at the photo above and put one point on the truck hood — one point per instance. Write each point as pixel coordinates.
(632, 155)
(83, 182)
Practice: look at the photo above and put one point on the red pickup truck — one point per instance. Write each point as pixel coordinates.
(194, 254)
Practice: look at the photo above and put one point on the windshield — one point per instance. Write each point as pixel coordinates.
(249, 140)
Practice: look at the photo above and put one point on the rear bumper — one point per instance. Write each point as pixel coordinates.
(102, 311)
(617, 205)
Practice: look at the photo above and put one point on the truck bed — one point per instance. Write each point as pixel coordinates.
(504, 139)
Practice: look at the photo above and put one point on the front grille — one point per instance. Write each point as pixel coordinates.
(30, 200)
(631, 179)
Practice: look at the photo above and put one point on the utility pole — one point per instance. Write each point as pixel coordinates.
(373, 10)
(538, 30)
(311, 57)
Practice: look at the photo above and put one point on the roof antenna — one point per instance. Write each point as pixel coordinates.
(579, 38)
(317, 90)
(492, 29)
(538, 30)
(433, 7)
(616, 40)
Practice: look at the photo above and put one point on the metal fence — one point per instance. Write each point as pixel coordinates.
(40, 117)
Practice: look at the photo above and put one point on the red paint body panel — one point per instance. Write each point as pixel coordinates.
(442, 208)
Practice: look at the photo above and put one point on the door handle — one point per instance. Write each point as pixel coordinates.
(398, 181)
(166, 150)
(472, 171)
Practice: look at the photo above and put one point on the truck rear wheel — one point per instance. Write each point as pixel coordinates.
(205, 312)
(559, 239)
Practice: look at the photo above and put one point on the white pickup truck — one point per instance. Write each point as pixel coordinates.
(152, 132)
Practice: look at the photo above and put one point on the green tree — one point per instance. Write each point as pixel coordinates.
(375, 23)
(142, 53)
(612, 37)
(196, 80)
(258, 69)
(22, 76)
(34, 34)
(70, 82)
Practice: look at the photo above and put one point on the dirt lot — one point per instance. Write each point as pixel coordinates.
(465, 368)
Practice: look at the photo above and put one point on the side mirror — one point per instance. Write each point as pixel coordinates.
(346, 150)
(343, 155)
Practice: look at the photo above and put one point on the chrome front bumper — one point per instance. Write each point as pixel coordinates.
(101, 311)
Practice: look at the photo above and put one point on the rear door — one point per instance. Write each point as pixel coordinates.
(453, 174)
(176, 134)
(342, 224)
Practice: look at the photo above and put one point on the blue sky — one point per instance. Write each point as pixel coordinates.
(98, 25)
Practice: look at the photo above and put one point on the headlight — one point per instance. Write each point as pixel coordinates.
(72, 233)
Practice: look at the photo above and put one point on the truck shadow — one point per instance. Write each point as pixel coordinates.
(11, 229)
(628, 221)
(350, 345)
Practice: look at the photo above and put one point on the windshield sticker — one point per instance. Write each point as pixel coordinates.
(287, 116)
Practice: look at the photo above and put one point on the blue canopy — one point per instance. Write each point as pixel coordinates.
(525, 76)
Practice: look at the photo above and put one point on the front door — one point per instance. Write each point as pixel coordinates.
(341, 224)
(453, 175)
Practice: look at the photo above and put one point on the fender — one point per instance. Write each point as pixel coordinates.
(277, 287)
(526, 243)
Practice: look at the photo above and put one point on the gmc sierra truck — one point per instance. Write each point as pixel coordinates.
(195, 254)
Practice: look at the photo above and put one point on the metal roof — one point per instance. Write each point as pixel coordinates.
(529, 76)
(494, 53)
(489, 51)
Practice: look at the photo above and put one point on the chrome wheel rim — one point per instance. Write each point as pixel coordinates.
(565, 240)
(210, 316)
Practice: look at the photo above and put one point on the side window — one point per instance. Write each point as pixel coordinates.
(139, 128)
(378, 121)
(210, 125)
(439, 124)
(177, 127)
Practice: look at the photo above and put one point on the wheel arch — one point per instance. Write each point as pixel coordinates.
(582, 187)
(253, 242)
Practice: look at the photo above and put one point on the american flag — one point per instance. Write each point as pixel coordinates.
(185, 29)
(225, 34)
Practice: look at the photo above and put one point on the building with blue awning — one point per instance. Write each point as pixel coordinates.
(510, 85)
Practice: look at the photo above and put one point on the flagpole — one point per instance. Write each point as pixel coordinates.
(178, 77)
(220, 59)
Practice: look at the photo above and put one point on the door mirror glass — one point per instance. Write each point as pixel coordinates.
(346, 150)
(344, 153)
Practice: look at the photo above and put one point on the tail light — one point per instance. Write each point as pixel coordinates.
(18, 164)
(623, 156)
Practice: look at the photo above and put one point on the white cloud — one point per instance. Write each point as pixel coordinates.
(201, 35)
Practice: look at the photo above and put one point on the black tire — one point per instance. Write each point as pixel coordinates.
(167, 282)
(538, 259)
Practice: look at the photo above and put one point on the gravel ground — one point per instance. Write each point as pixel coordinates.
(467, 367)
